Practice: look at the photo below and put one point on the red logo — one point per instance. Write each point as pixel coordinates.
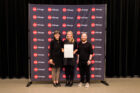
(35, 69)
(78, 17)
(34, 24)
(63, 39)
(92, 32)
(92, 68)
(35, 47)
(35, 76)
(50, 69)
(49, 25)
(49, 9)
(92, 39)
(50, 76)
(78, 32)
(34, 16)
(35, 54)
(93, 9)
(64, 76)
(64, 9)
(49, 17)
(64, 17)
(48, 46)
(35, 39)
(64, 32)
(48, 54)
(78, 25)
(78, 9)
(78, 75)
(92, 17)
(35, 61)
(64, 25)
(92, 75)
(49, 39)
(93, 25)
(92, 61)
(77, 69)
(93, 46)
(49, 32)
(63, 69)
(78, 39)
(34, 9)
(34, 32)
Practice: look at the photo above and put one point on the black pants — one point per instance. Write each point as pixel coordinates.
(69, 71)
(84, 72)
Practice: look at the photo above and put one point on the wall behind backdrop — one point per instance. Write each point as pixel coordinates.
(123, 32)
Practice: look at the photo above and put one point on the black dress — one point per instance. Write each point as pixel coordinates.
(56, 53)
(70, 61)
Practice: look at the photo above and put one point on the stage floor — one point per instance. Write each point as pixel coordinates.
(117, 85)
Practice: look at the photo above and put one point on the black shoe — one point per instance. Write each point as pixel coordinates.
(58, 84)
(67, 83)
(71, 83)
(54, 84)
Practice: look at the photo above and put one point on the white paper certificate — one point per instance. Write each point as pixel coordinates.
(68, 50)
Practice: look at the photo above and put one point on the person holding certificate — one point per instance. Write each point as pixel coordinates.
(70, 49)
(56, 57)
(84, 58)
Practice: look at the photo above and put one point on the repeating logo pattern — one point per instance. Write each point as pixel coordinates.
(45, 19)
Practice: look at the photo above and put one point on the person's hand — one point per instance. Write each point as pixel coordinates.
(62, 49)
(89, 62)
(51, 62)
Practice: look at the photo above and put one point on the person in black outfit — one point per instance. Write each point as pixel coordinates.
(70, 63)
(56, 58)
(84, 58)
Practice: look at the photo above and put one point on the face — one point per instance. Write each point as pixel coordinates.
(69, 35)
(84, 37)
(57, 36)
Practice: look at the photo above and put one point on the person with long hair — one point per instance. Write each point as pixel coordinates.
(70, 63)
(56, 58)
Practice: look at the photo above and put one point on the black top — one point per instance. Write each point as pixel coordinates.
(70, 61)
(56, 52)
(84, 51)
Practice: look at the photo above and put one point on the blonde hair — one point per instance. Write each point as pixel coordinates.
(72, 41)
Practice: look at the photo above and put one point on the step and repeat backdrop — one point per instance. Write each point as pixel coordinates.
(45, 19)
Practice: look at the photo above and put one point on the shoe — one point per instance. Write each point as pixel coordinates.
(71, 83)
(80, 84)
(87, 85)
(58, 84)
(67, 83)
(54, 84)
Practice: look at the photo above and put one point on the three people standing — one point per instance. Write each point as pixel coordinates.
(83, 53)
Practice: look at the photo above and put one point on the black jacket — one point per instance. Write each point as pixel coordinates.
(56, 52)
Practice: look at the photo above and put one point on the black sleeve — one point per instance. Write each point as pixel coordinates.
(62, 44)
(90, 48)
(78, 52)
(75, 45)
(51, 49)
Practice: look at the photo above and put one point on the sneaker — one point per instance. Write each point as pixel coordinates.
(87, 85)
(80, 84)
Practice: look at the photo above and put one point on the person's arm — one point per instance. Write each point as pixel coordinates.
(75, 48)
(91, 53)
(51, 51)
(62, 47)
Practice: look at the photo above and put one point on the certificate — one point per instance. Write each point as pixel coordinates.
(68, 50)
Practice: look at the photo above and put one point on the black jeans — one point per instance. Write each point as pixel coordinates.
(84, 71)
(69, 71)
